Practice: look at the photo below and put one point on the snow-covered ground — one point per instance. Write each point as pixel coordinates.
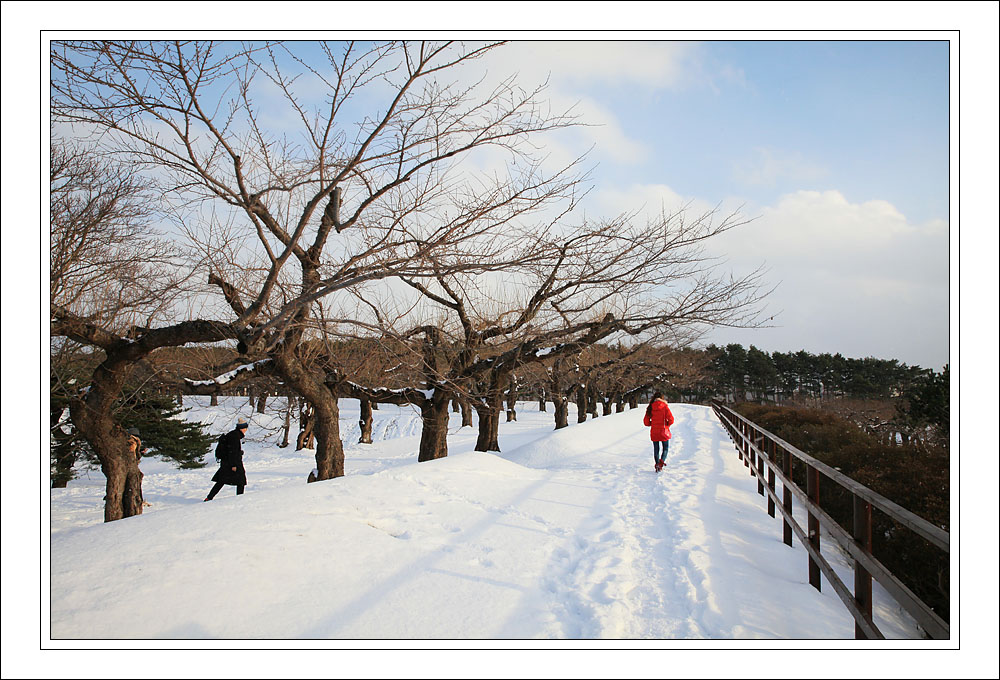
(567, 534)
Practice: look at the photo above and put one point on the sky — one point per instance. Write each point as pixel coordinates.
(837, 151)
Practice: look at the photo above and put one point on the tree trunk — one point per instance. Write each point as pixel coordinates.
(466, 412)
(92, 417)
(592, 400)
(214, 401)
(489, 423)
(511, 404)
(455, 408)
(434, 430)
(541, 402)
(324, 420)
(261, 402)
(619, 405)
(288, 423)
(123, 491)
(562, 410)
(581, 404)
(633, 401)
(329, 447)
(366, 422)
(606, 407)
(306, 432)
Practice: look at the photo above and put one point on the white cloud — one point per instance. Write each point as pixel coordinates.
(823, 227)
(654, 65)
(647, 200)
(577, 72)
(855, 278)
(769, 166)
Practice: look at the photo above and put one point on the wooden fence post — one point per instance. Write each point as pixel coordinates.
(786, 500)
(862, 579)
(770, 476)
(732, 433)
(812, 490)
(760, 465)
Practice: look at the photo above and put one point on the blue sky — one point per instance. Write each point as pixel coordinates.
(839, 150)
(868, 118)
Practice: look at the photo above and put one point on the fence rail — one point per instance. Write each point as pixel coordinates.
(771, 459)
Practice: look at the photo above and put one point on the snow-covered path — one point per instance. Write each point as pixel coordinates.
(567, 535)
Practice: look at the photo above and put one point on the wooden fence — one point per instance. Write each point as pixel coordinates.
(771, 458)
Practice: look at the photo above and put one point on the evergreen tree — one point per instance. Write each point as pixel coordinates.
(930, 400)
(761, 374)
(163, 434)
(66, 446)
(787, 376)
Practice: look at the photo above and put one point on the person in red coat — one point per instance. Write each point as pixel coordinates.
(659, 419)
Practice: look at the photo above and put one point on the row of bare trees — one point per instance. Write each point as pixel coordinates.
(295, 199)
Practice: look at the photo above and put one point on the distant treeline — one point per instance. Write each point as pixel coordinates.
(738, 374)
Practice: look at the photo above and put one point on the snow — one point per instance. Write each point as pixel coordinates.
(566, 535)
(228, 376)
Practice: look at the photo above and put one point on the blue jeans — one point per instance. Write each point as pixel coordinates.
(657, 458)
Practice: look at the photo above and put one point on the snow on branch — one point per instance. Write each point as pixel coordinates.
(239, 373)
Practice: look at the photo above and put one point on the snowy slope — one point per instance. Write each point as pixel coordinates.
(566, 535)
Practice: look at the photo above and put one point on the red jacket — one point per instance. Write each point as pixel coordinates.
(658, 419)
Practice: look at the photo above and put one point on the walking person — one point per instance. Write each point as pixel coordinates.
(659, 419)
(230, 455)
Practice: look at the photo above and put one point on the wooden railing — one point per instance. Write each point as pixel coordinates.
(771, 458)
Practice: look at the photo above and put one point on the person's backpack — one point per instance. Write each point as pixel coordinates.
(220, 449)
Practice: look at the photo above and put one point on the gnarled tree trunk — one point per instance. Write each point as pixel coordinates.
(489, 423)
(466, 412)
(366, 422)
(304, 440)
(286, 430)
(562, 410)
(325, 419)
(511, 403)
(329, 447)
(434, 431)
(123, 490)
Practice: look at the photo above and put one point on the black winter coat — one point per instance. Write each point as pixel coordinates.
(232, 457)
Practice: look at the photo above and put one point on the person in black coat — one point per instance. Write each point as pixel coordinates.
(231, 470)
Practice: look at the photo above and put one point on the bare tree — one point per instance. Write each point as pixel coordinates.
(106, 263)
(349, 196)
(111, 278)
(578, 287)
